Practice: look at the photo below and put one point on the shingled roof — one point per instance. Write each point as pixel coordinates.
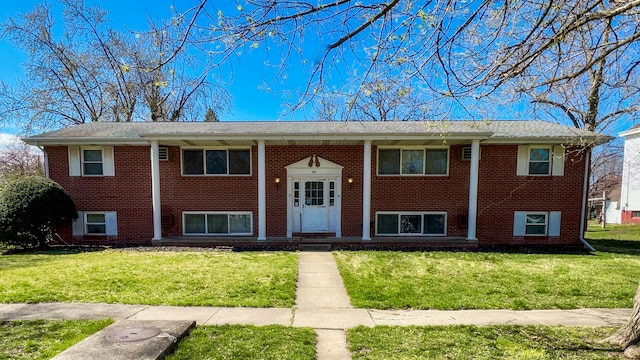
(488, 131)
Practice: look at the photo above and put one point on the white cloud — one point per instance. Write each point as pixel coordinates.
(8, 140)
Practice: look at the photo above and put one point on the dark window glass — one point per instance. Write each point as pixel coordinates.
(240, 224)
(434, 224)
(412, 162)
(539, 168)
(217, 224)
(194, 223)
(436, 162)
(389, 161)
(387, 223)
(192, 162)
(92, 168)
(240, 162)
(411, 224)
(93, 155)
(539, 161)
(216, 162)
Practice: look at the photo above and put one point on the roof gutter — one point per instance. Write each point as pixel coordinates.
(585, 190)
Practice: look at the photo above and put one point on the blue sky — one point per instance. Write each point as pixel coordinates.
(248, 74)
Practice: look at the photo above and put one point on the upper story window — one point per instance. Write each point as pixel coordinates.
(91, 161)
(216, 161)
(540, 160)
(413, 161)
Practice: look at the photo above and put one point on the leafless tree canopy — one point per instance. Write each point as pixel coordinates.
(90, 72)
(463, 51)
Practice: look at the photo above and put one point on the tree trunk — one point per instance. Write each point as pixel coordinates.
(628, 336)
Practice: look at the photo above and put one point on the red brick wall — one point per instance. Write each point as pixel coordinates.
(500, 192)
(424, 193)
(128, 193)
(205, 193)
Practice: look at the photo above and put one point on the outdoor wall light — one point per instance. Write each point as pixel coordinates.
(350, 180)
(277, 180)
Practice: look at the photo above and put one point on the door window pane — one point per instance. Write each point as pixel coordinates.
(412, 162)
(389, 161)
(192, 162)
(216, 162)
(239, 162)
(387, 224)
(436, 162)
(217, 224)
(314, 193)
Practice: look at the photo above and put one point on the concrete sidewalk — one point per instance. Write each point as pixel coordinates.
(320, 319)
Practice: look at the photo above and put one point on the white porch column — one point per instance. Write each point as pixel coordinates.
(262, 193)
(155, 191)
(366, 192)
(473, 190)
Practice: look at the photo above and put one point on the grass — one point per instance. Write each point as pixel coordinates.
(187, 278)
(614, 238)
(247, 342)
(471, 342)
(480, 280)
(40, 339)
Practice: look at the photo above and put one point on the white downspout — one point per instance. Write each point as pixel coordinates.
(585, 192)
(45, 160)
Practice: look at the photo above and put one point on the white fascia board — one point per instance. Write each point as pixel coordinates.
(84, 141)
(551, 140)
(630, 132)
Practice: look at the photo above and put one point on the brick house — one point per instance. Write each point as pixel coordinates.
(629, 203)
(356, 184)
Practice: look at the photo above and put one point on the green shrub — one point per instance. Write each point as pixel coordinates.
(31, 208)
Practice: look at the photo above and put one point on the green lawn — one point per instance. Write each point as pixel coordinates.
(470, 342)
(205, 278)
(247, 342)
(481, 280)
(623, 238)
(40, 339)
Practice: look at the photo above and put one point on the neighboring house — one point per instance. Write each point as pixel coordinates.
(355, 184)
(609, 186)
(630, 193)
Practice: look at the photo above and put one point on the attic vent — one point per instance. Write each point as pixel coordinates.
(465, 153)
(163, 153)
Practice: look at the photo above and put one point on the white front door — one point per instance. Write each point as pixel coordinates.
(315, 210)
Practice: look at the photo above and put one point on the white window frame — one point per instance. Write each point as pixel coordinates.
(548, 161)
(527, 224)
(556, 160)
(77, 161)
(84, 161)
(111, 224)
(204, 159)
(424, 161)
(228, 213)
(87, 223)
(421, 213)
(552, 223)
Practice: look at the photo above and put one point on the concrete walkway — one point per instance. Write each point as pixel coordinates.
(321, 303)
